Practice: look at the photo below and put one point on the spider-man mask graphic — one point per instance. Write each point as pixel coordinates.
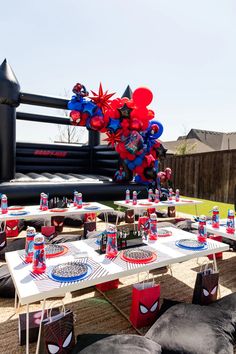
(58, 222)
(209, 289)
(12, 229)
(145, 304)
(129, 216)
(59, 335)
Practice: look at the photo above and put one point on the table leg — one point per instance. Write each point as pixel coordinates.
(15, 301)
(27, 329)
(40, 326)
(214, 261)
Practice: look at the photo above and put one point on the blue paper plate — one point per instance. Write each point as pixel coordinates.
(192, 245)
(66, 266)
(92, 208)
(18, 212)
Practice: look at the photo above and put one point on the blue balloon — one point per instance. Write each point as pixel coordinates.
(160, 130)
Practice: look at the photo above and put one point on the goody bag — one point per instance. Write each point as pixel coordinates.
(145, 303)
(3, 239)
(57, 333)
(206, 286)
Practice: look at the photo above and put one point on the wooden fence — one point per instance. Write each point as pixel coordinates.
(210, 175)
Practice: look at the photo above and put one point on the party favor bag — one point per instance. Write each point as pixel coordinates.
(3, 239)
(57, 333)
(49, 232)
(145, 303)
(206, 286)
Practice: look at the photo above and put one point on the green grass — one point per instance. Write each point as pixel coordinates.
(204, 208)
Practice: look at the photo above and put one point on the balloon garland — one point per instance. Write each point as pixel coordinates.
(129, 125)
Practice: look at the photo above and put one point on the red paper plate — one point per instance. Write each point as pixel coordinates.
(58, 210)
(16, 207)
(84, 204)
(164, 233)
(186, 200)
(145, 204)
(56, 250)
(139, 256)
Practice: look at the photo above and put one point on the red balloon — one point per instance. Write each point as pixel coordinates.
(142, 96)
(136, 124)
(97, 123)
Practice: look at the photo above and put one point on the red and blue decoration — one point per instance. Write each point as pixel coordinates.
(129, 125)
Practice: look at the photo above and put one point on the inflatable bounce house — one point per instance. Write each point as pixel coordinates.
(129, 159)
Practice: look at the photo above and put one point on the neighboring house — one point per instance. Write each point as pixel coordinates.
(197, 141)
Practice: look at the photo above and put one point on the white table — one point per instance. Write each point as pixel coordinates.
(145, 204)
(221, 231)
(35, 213)
(30, 289)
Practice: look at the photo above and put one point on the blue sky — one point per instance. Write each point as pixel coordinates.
(183, 50)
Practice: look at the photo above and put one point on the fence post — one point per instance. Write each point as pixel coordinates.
(9, 100)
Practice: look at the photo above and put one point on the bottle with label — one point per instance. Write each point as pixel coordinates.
(157, 196)
(79, 200)
(111, 246)
(135, 197)
(39, 259)
(170, 194)
(153, 234)
(127, 196)
(230, 224)
(150, 193)
(202, 233)
(215, 217)
(4, 205)
(75, 198)
(177, 195)
(29, 244)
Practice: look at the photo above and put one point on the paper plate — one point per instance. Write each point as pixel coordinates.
(16, 207)
(192, 245)
(53, 250)
(18, 212)
(137, 255)
(145, 204)
(70, 272)
(58, 210)
(92, 208)
(164, 233)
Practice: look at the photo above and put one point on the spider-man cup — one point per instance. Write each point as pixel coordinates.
(39, 259)
(202, 233)
(111, 247)
(215, 217)
(29, 244)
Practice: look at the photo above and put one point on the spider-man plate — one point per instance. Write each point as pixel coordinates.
(18, 212)
(92, 208)
(145, 204)
(193, 245)
(135, 255)
(16, 207)
(164, 233)
(58, 210)
(70, 272)
(55, 250)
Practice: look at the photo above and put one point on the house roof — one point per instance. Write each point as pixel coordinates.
(193, 146)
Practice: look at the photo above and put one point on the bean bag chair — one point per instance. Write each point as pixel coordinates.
(112, 216)
(7, 289)
(14, 245)
(73, 221)
(195, 329)
(122, 344)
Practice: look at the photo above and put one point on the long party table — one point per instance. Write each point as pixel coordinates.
(30, 287)
(220, 231)
(33, 211)
(145, 204)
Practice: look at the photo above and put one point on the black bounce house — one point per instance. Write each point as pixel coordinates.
(27, 169)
